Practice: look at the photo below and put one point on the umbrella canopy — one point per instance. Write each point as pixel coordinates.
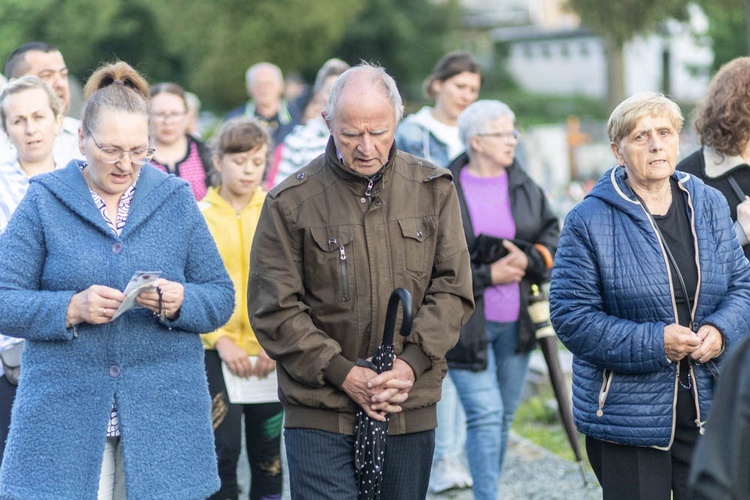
(545, 335)
(372, 435)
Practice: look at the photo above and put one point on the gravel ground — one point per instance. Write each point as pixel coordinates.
(532, 472)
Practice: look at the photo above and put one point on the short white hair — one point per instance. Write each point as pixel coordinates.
(475, 119)
(250, 73)
(379, 75)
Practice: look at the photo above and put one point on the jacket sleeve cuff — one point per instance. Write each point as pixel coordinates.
(337, 370)
(416, 358)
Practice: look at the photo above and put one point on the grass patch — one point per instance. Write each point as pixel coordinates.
(537, 420)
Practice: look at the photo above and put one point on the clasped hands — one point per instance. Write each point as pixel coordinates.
(511, 268)
(700, 346)
(379, 395)
(98, 303)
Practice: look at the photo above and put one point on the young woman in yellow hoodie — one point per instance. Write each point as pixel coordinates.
(240, 150)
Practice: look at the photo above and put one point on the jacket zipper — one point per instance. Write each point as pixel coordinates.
(607, 376)
(698, 422)
(344, 273)
(692, 309)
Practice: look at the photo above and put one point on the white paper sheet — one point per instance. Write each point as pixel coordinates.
(252, 389)
(140, 282)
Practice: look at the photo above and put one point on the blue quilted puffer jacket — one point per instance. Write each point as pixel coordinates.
(611, 298)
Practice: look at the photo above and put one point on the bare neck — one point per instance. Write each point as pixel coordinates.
(38, 167)
(657, 197)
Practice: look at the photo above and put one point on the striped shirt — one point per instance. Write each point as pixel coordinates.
(13, 186)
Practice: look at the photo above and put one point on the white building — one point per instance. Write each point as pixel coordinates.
(549, 52)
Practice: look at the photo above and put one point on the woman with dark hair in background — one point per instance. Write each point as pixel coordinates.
(722, 122)
(111, 403)
(432, 133)
(177, 152)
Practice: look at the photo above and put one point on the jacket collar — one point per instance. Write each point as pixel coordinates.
(213, 199)
(350, 175)
(69, 186)
(516, 175)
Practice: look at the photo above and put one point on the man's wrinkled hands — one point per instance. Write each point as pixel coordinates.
(379, 395)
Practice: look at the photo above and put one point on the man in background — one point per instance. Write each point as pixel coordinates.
(45, 61)
(265, 87)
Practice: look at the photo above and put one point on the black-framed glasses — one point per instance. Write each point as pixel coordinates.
(113, 154)
(515, 135)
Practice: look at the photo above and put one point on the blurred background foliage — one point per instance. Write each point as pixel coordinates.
(207, 46)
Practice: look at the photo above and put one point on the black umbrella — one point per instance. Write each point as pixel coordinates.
(372, 435)
(545, 335)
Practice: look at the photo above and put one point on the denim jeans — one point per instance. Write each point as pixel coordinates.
(490, 399)
(450, 435)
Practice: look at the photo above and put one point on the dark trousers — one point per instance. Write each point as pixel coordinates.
(7, 395)
(634, 472)
(321, 465)
(263, 424)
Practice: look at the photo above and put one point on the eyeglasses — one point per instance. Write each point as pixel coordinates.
(515, 135)
(113, 154)
(168, 117)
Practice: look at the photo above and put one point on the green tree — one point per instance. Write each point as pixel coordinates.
(205, 46)
(217, 41)
(729, 24)
(405, 37)
(617, 22)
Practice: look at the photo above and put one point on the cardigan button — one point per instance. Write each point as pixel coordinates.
(300, 176)
(117, 248)
(114, 371)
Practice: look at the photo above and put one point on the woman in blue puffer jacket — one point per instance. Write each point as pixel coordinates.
(649, 288)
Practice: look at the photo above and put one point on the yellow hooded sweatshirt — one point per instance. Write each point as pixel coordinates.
(233, 232)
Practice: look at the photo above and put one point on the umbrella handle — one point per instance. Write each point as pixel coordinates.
(399, 295)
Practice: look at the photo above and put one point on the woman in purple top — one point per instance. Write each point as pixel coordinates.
(490, 361)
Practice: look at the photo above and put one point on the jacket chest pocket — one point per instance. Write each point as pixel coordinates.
(332, 260)
(417, 245)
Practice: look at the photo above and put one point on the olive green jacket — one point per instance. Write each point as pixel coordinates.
(330, 247)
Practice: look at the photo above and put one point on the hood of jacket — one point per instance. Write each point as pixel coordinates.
(69, 186)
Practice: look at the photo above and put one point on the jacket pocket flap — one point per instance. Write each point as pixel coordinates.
(416, 229)
(330, 239)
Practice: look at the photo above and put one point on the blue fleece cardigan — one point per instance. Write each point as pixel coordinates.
(56, 244)
(611, 297)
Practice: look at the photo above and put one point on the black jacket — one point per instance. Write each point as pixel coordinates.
(535, 223)
(720, 461)
(718, 178)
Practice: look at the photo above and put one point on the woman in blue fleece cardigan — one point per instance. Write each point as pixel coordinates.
(115, 406)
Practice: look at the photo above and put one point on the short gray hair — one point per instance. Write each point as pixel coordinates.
(629, 112)
(475, 119)
(332, 67)
(388, 84)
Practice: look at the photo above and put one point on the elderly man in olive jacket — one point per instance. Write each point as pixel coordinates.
(332, 242)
